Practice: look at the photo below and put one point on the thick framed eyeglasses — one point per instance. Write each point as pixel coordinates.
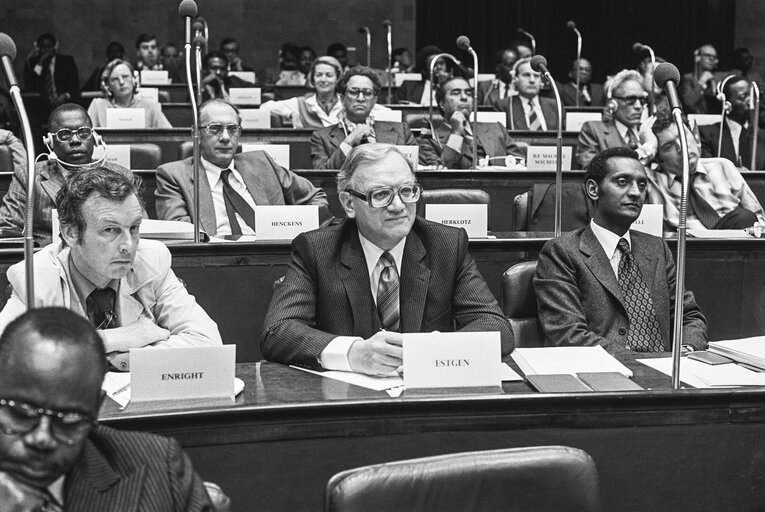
(354, 92)
(19, 418)
(65, 134)
(381, 197)
(217, 129)
(631, 100)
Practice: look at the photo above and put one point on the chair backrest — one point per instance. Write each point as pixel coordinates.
(144, 155)
(540, 479)
(521, 212)
(519, 304)
(539, 211)
(453, 196)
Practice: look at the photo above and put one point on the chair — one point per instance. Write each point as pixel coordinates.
(535, 210)
(6, 159)
(452, 196)
(540, 479)
(519, 304)
(144, 155)
(186, 149)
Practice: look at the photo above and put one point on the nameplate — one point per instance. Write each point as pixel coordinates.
(125, 118)
(651, 220)
(118, 154)
(182, 373)
(400, 78)
(491, 117)
(452, 360)
(703, 119)
(148, 94)
(279, 152)
(154, 77)
(285, 222)
(544, 158)
(412, 154)
(471, 217)
(253, 118)
(575, 120)
(247, 76)
(244, 95)
(485, 77)
(393, 116)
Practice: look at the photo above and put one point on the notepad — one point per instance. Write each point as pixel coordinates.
(582, 382)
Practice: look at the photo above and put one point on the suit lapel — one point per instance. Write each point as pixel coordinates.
(355, 278)
(206, 209)
(51, 181)
(611, 134)
(518, 114)
(598, 263)
(484, 141)
(252, 178)
(385, 133)
(336, 136)
(415, 282)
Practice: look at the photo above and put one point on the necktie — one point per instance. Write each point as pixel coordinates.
(586, 95)
(644, 334)
(387, 294)
(50, 86)
(50, 504)
(744, 149)
(698, 205)
(534, 123)
(507, 90)
(235, 204)
(632, 140)
(100, 308)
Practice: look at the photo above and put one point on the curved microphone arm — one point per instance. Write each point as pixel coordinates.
(755, 98)
(651, 94)
(578, 58)
(475, 107)
(389, 30)
(723, 112)
(432, 84)
(29, 239)
(194, 132)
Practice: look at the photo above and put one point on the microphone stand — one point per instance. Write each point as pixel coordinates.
(432, 83)
(559, 159)
(369, 46)
(723, 113)
(389, 29)
(475, 107)
(578, 58)
(195, 99)
(198, 62)
(755, 96)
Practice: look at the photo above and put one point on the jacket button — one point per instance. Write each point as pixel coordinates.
(622, 331)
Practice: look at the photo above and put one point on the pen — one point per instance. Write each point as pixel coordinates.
(121, 390)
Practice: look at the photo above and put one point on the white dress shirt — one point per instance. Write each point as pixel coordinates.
(609, 241)
(735, 132)
(535, 103)
(213, 173)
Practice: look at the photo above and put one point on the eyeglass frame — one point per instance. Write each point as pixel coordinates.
(58, 138)
(368, 196)
(223, 126)
(86, 421)
(631, 100)
(361, 91)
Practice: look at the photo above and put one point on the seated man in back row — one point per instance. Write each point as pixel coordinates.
(606, 285)
(230, 185)
(122, 284)
(352, 289)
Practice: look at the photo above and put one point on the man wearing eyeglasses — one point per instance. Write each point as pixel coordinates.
(352, 289)
(231, 184)
(626, 101)
(698, 90)
(53, 454)
(358, 90)
(71, 142)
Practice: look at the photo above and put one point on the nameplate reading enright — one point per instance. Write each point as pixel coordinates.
(472, 217)
(244, 95)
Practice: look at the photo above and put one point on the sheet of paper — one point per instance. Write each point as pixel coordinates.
(357, 379)
(718, 233)
(508, 374)
(117, 387)
(555, 360)
(702, 375)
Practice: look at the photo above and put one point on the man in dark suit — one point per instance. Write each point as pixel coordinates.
(450, 145)
(698, 90)
(217, 82)
(528, 110)
(590, 94)
(491, 92)
(53, 456)
(230, 184)
(50, 73)
(606, 285)
(358, 90)
(352, 289)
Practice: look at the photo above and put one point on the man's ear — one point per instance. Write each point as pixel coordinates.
(346, 200)
(69, 233)
(593, 189)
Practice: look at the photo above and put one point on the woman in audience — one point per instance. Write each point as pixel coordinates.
(119, 84)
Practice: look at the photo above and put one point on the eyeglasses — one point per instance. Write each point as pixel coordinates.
(631, 100)
(383, 196)
(18, 419)
(354, 92)
(217, 129)
(65, 134)
(120, 78)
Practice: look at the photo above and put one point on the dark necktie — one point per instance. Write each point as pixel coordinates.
(698, 205)
(744, 149)
(51, 504)
(100, 308)
(50, 86)
(507, 90)
(586, 95)
(387, 294)
(534, 123)
(632, 140)
(236, 204)
(644, 334)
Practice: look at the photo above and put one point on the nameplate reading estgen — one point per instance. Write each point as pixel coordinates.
(651, 220)
(125, 118)
(285, 222)
(472, 217)
(182, 373)
(452, 360)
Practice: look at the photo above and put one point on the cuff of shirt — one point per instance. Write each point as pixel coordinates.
(335, 354)
(38, 69)
(455, 142)
(345, 148)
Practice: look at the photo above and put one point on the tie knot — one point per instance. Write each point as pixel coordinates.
(623, 246)
(387, 260)
(103, 298)
(224, 174)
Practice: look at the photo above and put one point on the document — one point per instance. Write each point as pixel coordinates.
(571, 360)
(702, 375)
(358, 379)
(117, 387)
(727, 234)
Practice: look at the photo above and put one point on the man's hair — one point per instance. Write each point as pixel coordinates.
(501, 53)
(664, 120)
(168, 45)
(598, 168)
(342, 84)
(616, 81)
(58, 324)
(219, 101)
(102, 181)
(421, 60)
(730, 83)
(144, 38)
(398, 51)
(45, 37)
(308, 49)
(290, 49)
(336, 47)
(213, 55)
(227, 40)
(327, 61)
(69, 107)
(365, 154)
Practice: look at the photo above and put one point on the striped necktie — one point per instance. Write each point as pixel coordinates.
(388, 294)
(235, 204)
(534, 123)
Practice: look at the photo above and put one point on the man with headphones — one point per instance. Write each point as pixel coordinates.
(71, 142)
(590, 94)
(698, 90)
(527, 110)
(491, 92)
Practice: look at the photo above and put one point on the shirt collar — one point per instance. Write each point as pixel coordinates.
(623, 129)
(214, 170)
(372, 253)
(82, 285)
(608, 239)
(56, 489)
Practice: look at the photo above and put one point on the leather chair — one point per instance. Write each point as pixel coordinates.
(452, 196)
(519, 304)
(144, 155)
(541, 479)
(535, 210)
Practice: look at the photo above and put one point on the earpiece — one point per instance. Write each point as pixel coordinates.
(697, 55)
(727, 107)
(99, 144)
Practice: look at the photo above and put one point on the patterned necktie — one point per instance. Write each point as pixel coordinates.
(534, 123)
(644, 334)
(235, 204)
(632, 140)
(50, 86)
(387, 293)
(100, 308)
(51, 504)
(698, 205)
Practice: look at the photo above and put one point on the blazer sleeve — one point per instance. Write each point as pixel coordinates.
(587, 146)
(168, 195)
(13, 209)
(298, 190)
(323, 154)
(709, 141)
(430, 153)
(694, 322)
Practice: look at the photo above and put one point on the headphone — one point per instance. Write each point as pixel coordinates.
(721, 97)
(697, 54)
(518, 63)
(611, 103)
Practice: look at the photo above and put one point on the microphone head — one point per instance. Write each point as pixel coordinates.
(637, 47)
(199, 41)
(666, 72)
(363, 30)
(537, 63)
(187, 9)
(7, 46)
(570, 24)
(463, 42)
(199, 24)
(387, 23)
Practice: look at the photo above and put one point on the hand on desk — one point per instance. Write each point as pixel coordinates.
(136, 335)
(379, 355)
(18, 497)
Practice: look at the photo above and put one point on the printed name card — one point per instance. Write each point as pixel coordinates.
(148, 94)
(247, 76)
(253, 118)
(452, 360)
(244, 95)
(400, 78)
(152, 77)
(544, 158)
(125, 118)
(182, 373)
(651, 220)
(394, 116)
(491, 117)
(279, 152)
(472, 217)
(575, 120)
(118, 154)
(285, 222)
(412, 154)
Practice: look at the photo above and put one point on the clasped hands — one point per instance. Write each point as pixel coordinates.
(120, 340)
(379, 355)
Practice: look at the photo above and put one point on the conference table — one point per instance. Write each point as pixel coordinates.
(289, 431)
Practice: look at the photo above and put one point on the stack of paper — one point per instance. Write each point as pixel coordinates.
(167, 230)
(567, 360)
(702, 375)
(749, 351)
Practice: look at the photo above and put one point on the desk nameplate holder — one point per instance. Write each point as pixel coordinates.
(651, 220)
(544, 158)
(154, 77)
(126, 118)
(472, 217)
(285, 222)
(244, 95)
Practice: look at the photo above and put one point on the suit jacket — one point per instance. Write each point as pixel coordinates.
(133, 471)
(65, 78)
(267, 183)
(410, 91)
(326, 292)
(568, 95)
(488, 93)
(516, 117)
(493, 141)
(580, 301)
(710, 138)
(325, 142)
(594, 137)
(698, 100)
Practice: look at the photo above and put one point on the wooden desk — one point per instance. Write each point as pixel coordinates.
(289, 432)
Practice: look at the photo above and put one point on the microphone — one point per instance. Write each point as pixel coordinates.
(638, 47)
(666, 76)
(199, 26)
(199, 41)
(8, 53)
(365, 30)
(464, 43)
(570, 24)
(531, 38)
(539, 64)
(187, 10)
(387, 23)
